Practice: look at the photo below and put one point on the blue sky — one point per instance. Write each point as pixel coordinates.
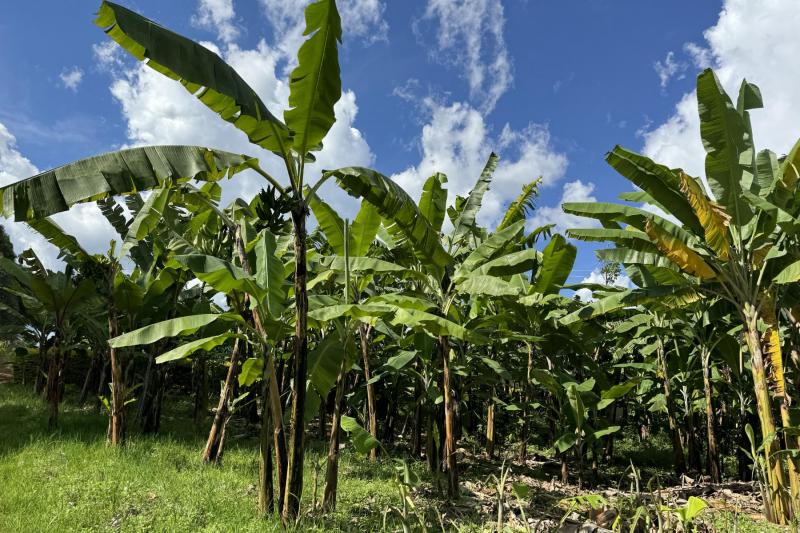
(430, 85)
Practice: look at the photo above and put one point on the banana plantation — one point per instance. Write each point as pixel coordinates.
(451, 363)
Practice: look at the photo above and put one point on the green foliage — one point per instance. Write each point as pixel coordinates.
(117, 173)
(314, 85)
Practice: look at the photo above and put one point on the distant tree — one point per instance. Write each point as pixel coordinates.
(611, 271)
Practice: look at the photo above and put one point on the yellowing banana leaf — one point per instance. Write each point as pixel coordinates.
(679, 253)
(712, 216)
(771, 345)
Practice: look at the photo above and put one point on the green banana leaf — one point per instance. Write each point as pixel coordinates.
(185, 350)
(147, 219)
(558, 258)
(202, 72)
(363, 442)
(363, 230)
(365, 312)
(222, 275)
(434, 325)
(522, 205)
(55, 235)
(484, 285)
(314, 85)
(661, 183)
(252, 371)
(729, 153)
(396, 205)
(433, 202)
(270, 276)
(185, 325)
(115, 173)
(324, 363)
(465, 222)
(489, 248)
(329, 222)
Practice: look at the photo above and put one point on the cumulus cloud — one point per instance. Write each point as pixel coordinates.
(456, 141)
(218, 16)
(669, 68)
(362, 19)
(470, 36)
(701, 57)
(597, 277)
(108, 56)
(573, 191)
(71, 78)
(158, 110)
(752, 40)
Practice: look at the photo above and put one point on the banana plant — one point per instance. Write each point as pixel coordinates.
(52, 299)
(455, 269)
(732, 237)
(314, 88)
(350, 260)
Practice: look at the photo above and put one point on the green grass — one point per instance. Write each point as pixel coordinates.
(70, 480)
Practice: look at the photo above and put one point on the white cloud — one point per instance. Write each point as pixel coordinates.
(573, 191)
(219, 16)
(364, 18)
(158, 110)
(597, 277)
(669, 69)
(71, 78)
(360, 18)
(701, 57)
(753, 40)
(470, 35)
(13, 165)
(108, 56)
(457, 142)
(85, 221)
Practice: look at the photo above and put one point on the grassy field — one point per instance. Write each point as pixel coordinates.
(69, 480)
